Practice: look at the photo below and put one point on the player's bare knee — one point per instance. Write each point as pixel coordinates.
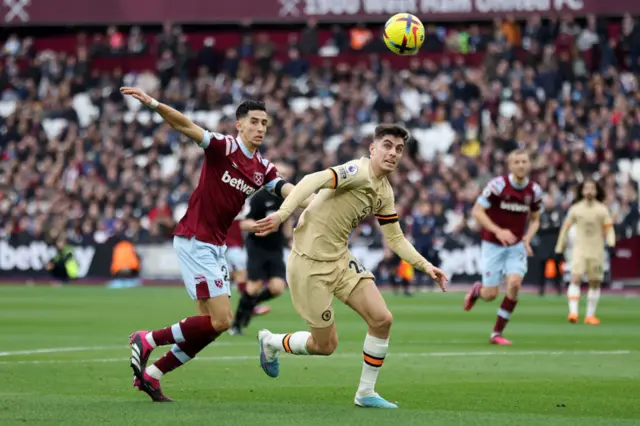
(381, 321)
(489, 293)
(253, 287)
(222, 322)
(276, 286)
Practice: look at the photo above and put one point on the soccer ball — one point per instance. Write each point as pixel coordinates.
(403, 34)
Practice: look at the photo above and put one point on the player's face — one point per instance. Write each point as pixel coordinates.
(253, 127)
(589, 191)
(520, 165)
(387, 152)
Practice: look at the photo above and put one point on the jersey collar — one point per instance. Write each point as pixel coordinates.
(513, 183)
(244, 148)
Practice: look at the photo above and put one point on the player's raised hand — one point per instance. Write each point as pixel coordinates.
(137, 94)
(268, 225)
(438, 276)
(506, 237)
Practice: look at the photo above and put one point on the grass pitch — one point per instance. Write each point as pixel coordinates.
(64, 361)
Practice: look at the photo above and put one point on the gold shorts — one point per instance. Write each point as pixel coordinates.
(592, 267)
(313, 283)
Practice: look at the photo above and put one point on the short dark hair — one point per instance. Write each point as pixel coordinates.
(243, 109)
(600, 194)
(390, 130)
(519, 151)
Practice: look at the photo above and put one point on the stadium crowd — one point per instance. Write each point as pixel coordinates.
(563, 89)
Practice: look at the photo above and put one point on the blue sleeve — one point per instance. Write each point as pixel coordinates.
(484, 202)
(206, 140)
(271, 185)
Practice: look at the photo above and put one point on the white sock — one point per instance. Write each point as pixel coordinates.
(150, 340)
(374, 352)
(154, 372)
(593, 296)
(293, 343)
(573, 294)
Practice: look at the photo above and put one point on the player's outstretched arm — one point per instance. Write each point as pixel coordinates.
(479, 213)
(174, 118)
(286, 191)
(399, 244)
(299, 193)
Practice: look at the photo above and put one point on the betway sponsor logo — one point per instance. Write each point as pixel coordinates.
(514, 207)
(238, 184)
(37, 255)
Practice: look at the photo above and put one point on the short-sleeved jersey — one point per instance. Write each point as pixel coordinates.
(590, 220)
(323, 230)
(262, 205)
(509, 206)
(229, 175)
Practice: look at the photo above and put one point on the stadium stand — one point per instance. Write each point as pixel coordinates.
(79, 159)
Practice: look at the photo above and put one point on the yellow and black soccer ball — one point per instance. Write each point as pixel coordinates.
(403, 34)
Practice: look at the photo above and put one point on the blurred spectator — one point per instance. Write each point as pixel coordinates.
(136, 43)
(116, 41)
(309, 42)
(360, 36)
(12, 46)
(209, 56)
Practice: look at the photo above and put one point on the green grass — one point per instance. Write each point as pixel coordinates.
(440, 369)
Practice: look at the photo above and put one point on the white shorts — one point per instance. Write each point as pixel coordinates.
(203, 267)
(499, 261)
(237, 258)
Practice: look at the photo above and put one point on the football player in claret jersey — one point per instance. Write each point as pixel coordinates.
(233, 169)
(509, 212)
(320, 265)
(593, 223)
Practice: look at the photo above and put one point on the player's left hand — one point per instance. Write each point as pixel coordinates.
(527, 247)
(438, 276)
(268, 225)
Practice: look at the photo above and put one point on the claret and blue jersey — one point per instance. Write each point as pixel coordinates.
(230, 174)
(508, 205)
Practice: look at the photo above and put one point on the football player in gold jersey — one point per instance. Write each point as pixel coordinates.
(593, 225)
(320, 265)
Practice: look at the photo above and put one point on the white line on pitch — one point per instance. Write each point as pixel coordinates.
(392, 355)
(216, 344)
(57, 350)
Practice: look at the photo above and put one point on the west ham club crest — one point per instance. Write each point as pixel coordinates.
(258, 178)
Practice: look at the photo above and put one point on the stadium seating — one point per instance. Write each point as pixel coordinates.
(323, 117)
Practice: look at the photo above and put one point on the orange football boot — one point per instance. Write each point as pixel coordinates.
(592, 321)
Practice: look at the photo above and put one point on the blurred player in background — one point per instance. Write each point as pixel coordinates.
(237, 258)
(321, 266)
(232, 170)
(236, 254)
(547, 237)
(509, 212)
(593, 225)
(266, 271)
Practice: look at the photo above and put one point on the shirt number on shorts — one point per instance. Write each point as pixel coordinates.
(357, 267)
(225, 273)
